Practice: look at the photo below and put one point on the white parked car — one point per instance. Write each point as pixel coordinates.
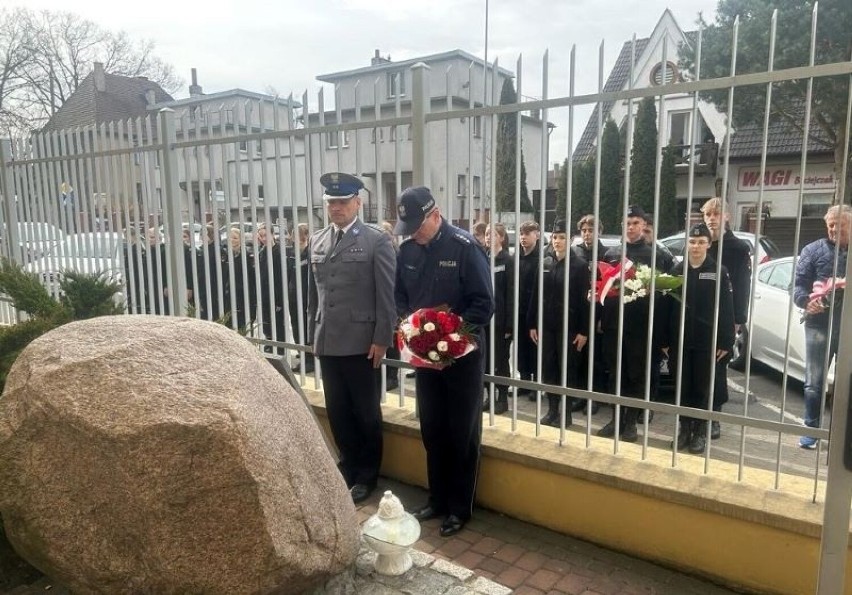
(97, 252)
(768, 250)
(37, 238)
(773, 314)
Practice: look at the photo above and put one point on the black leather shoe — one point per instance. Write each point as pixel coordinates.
(698, 443)
(426, 512)
(451, 525)
(715, 430)
(608, 431)
(360, 492)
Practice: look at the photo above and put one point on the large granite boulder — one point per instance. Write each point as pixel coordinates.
(163, 455)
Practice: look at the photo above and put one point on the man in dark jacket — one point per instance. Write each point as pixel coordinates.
(528, 260)
(819, 261)
(700, 355)
(633, 339)
(504, 312)
(736, 258)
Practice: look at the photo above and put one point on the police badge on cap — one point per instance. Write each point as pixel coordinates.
(414, 204)
(340, 186)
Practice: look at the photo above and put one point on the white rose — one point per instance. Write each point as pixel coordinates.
(429, 327)
(442, 346)
(455, 337)
(433, 355)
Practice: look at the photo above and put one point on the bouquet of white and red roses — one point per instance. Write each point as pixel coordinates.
(636, 280)
(434, 338)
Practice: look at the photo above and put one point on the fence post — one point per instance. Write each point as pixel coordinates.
(175, 273)
(420, 106)
(9, 209)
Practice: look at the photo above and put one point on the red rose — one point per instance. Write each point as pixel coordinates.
(415, 319)
(429, 315)
(448, 322)
(456, 348)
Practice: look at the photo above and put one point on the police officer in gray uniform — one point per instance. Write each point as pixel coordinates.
(351, 323)
(442, 265)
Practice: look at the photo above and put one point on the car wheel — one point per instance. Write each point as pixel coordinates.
(738, 357)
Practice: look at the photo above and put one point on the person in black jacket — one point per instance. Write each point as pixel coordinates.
(633, 340)
(155, 274)
(551, 334)
(528, 260)
(590, 229)
(504, 298)
(134, 271)
(736, 257)
(243, 286)
(299, 262)
(210, 270)
(699, 351)
(271, 286)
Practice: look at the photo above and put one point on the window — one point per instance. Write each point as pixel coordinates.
(393, 134)
(462, 185)
(245, 193)
(378, 132)
(229, 116)
(243, 146)
(260, 192)
(476, 184)
(477, 127)
(394, 79)
(815, 205)
(331, 138)
(782, 276)
(671, 74)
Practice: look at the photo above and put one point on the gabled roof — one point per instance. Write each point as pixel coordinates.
(617, 79)
(782, 139)
(123, 97)
(372, 69)
(224, 96)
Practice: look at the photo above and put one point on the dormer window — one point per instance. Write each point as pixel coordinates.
(671, 74)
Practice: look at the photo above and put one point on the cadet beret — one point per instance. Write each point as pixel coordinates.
(700, 229)
(339, 185)
(635, 211)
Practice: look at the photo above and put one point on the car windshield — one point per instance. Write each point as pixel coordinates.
(87, 246)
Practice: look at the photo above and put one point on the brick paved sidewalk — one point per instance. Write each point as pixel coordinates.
(536, 561)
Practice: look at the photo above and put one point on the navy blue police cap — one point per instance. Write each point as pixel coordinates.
(340, 186)
(700, 229)
(413, 206)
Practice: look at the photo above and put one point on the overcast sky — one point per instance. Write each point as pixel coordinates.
(285, 44)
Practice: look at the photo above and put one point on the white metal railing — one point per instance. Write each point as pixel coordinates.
(129, 182)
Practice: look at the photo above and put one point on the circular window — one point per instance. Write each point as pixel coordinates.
(671, 74)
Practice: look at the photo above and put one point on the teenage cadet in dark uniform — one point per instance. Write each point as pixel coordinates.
(301, 235)
(633, 341)
(242, 312)
(699, 352)
(213, 271)
(504, 296)
(351, 322)
(527, 282)
(442, 265)
(590, 229)
(271, 286)
(559, 261)
(736, 257)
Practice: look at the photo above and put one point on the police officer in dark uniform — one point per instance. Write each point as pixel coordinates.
(736, 257)
(633, 341)
(351, 321)
(699, 352)
(442, 265)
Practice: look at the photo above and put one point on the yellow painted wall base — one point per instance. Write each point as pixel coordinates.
(745, 534)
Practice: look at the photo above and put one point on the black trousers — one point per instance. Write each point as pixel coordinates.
(450, 404)
(280, 328)
(353, 403)
(501, 356)
(527, 353)
(720, 383)
(553, 360)
(695, 379)
(633, 352)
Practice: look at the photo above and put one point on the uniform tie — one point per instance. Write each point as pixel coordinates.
(338, 237)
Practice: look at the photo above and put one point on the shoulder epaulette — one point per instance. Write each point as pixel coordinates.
(461, 238)
(375, 227)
